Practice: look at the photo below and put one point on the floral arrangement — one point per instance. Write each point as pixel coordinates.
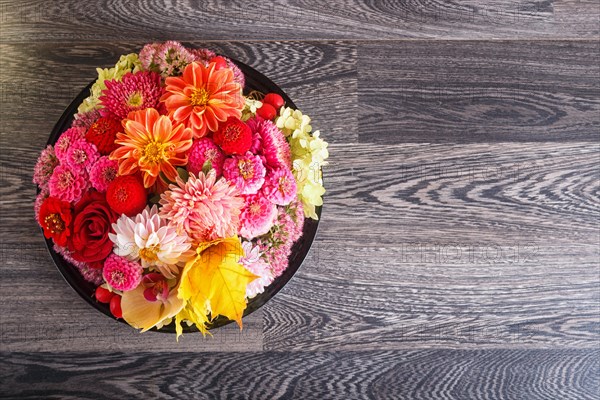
(176, 194)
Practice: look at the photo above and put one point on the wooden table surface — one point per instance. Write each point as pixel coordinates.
(458, 252)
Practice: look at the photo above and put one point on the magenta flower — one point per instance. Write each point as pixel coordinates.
(280, 186)
(134, 92)
(204, 150)
(68, 184)
(257, 217)
(246, 172)
(122, 274)
(103, 172)
(81, 155)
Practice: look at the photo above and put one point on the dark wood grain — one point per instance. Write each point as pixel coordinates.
(441, 374)
(449, 246)
(478, 91)
(104, 20)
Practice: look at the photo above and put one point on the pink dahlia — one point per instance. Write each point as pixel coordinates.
(257, 217)
(254, 263)
(246, 172)
(90, 274)
(103, 172)
(204, 150)
(86, 120)
(280, 186)
(135, 91)
(122, 274)
(44, 167)
(66, 139)
(68, 184)
(203, 207)
(273, 145)
(81, 155)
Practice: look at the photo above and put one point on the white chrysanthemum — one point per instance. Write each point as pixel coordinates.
(254, 263)
(150, 239)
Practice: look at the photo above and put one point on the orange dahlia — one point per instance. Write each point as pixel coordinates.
(203, 97)
(152, 143)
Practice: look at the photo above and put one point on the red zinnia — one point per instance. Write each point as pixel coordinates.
(126, 195)
(234, 136)
(103, 133)
(55, 219)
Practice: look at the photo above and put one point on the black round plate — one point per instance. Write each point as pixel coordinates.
(254, 81)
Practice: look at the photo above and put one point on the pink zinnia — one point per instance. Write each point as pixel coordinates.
(203, 207)
(204, 150)
(103, 172)
(280, 186)
(93, 275)
(246, 172)
(257, 217)
(272, 144)
(122, 274)
(44, 167)
(66, 139)
(67, 184)
(135, 91)
(81, 155)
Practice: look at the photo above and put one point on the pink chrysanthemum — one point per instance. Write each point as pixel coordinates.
(103, 172)
(66, 139)
(204, 150)
(44, 167)
(42, 195)
(81, 155)
(172, 58)
(253, 262)
(92, 275)
(271, 143)
(246, 172)
(202, 56)
(86, 120)
(280, 186)
(203, 207)
(257, 217)
(67, 184)
(122, 274)
(135, 91)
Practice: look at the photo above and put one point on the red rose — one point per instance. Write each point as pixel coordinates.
(55, 219)
(89, 240)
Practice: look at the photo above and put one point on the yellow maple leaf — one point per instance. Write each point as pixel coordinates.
(214, 282)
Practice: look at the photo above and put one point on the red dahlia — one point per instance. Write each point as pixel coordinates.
(233, 136)
(103, 133)
(126, 195)
(55, 219)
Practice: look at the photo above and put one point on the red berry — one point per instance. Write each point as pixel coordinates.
(126, 195)
(115, 307)
(220, 61)
(274, 99)
(103, 295)
(103, 133)
(267, 111)
(233, 136)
